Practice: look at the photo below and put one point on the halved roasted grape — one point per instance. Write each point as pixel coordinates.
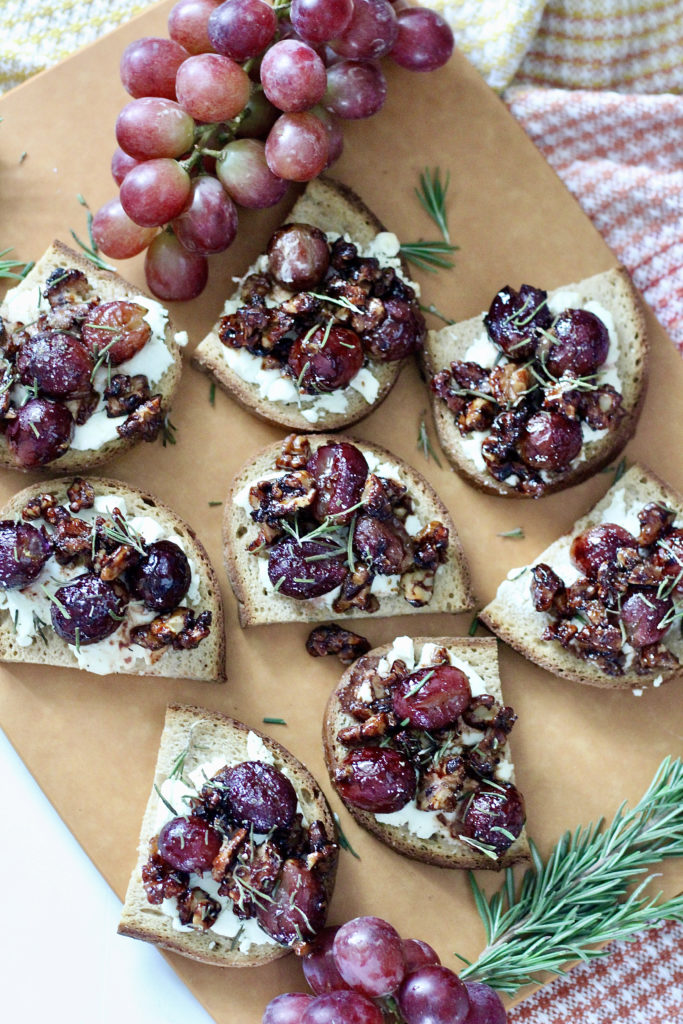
(88, 609)
(287, 1008)
(377, 779)
(515, 318)
(298, 256)
(349, 1007)
(306, 569)
(340, 472)
(419, 954)
(40, 433)
(24, 550)
(189, 844)
(551, 440)
(369, 954)
(485, 1005)
(258, 794)
(646, 617)
(299, 905)
(118, 329)
(57, 363)
(433, 995)
(432, 697)
(319, 966)
(494, 816)
(581, 344)
(162, 578)
(399, 335)
(326, 360)
(599, 544)
(384, 546)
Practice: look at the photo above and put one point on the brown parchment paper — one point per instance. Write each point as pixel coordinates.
(91, 742)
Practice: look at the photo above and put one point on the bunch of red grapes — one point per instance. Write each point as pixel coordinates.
(242, 99)
(365, 973)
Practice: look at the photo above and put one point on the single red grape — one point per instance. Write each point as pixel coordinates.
(369, 956)
(172, 272)
(189, 844)
(424, 41)
(297, 147)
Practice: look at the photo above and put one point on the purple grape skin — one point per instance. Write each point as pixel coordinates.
(433, 995)
(485, 1005)
(424, 41)
(319, 966)
(377, 779)
(551, 441)
(513, 317)
(419, 954)
(91, 605)
(161, 580)
(189, 844)
(346, 1007)
(40, 433)
(24, 550)
(491, 810)
(287, 1008)
(642, 614)
(369, 954)
(299, 906)
(294, 577)
(440, 700)
(241, 29)
(258, 794)
(599, 544)
(57, 363)
(209, 223)
(298, 256)
(581, 345)
(340, 471)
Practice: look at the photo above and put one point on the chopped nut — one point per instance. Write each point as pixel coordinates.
(145, 422)
(295, 452)
(272, 500)
(81, 494)
(332, 639)
(126, 394)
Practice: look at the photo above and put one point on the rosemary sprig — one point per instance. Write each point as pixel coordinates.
(7, 267)
(273, 721)
(431, 308)
(424, 444)
(168, 432)
(580, 896)
(91, 251)
(178, 767)
(429, 255)
(432, 196)
(343, 841)
(516, 534)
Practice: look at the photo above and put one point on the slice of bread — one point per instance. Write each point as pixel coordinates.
(613, 291)
(27, 639)
(332, 207)
(106, 286)
(511, 614)
(260, 603)
(209, 737)
(478, 659)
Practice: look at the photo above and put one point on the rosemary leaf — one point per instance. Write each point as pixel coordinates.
(343, 841)
(429, 255)
(424, 444)
(8, 267)
(516, 534)
(273, 721)
(432, 196)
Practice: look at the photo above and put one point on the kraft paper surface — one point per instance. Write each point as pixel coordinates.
(91, 742)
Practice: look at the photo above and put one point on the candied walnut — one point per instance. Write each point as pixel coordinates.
(561, 398)
(225, 859)
(581, 594)
(179, 629)
(655, 521)
(243, 328)
(71, 536)
(302, 304)
(654, 656)
(482, 760)
(65, 285)
(6, 382)
(265, 536)
(418, 586)
(68, 316)
(295, 452)
(470, 376)
(85, 407)
(38, 506)
(197, 909)
(602, 639)
(125, 394)
(358, 694)
(442, 385)
(372, 728)
(478, 414)
(602, 408)
(144, 422)
(111, 565)
(253, 877)
(611, 584)
(159, 879)
(272, 500)
(255, 284)
(547, 589)
(440, 788)
(81, 494)
(380, 495)
(355, 592)
(485, 712)
(645, 574)
(332, 639)
(563, 631)
(431, 545)
(509, 383)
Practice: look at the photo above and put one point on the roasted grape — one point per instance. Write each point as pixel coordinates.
(325, 360)
(88, 609)
(580, 345)
(494, 816)
(384, 546)
(56, 363)
(24, 550)
(432, 698)
(369, 955)
(320, 967)
(515, 318)
(433, 995)
(117, 329)
(307, 569)
(399, 335)
(161, 580)
(41, 431)
(551, 441)
(298, 256)
(377, 779)
(258, 795)
(299, 905)
(599, 544)
(340, 472)
(646, 617)
(189, 844)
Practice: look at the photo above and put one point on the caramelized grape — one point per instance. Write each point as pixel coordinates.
(162, 578)
(433, 995)
(432, 697)
(399, 335)
(258, 795)
(514, 318)
(340, 472)
(24, 550)
(485, 1005)
(494, 816)
(419, 954)
(325, 360)
(581, 344)
(377, 779)
(119, 327)
(306, 569)
(40, 433)
(189, 844)
(384, 546)
(88, 609)
(56, 363)
(298, 256)
(319, 966)
(349, 1007)
(369, 955)
(298, 908)
(646, 617)
(551, 441)
(599, 544)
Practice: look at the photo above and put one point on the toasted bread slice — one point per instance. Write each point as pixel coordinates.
(614, 292)
(259, 602)
(428, 839)
(198, 738)
(334, 208)
(26, 633)
(511, 614)
(96, 441)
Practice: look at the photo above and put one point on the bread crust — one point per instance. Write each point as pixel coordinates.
(206, 662)
(439, 851)
(110, 285)
(212, 731)
(452, 589)
(522, 631)
(451, 343)
(330, 206)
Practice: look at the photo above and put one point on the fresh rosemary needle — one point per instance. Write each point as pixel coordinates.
(432, 196)
(429, 255)
(8, 267)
